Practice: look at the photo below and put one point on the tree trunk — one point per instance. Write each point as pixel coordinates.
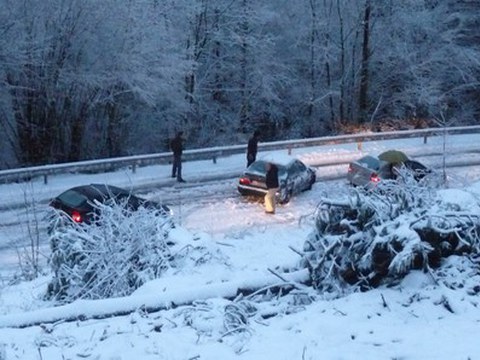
(245, 94)
(313, 56)
(154, 303)
(364, 75)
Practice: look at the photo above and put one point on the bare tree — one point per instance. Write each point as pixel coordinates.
(82, 79)
(364, 72)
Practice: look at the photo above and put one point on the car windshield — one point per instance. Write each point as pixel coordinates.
(72, 198)
(259, 167)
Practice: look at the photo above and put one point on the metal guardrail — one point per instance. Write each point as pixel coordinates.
(213, 153)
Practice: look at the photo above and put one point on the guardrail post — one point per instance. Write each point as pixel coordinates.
(45, 179)
(289, 147)
(359, 145)
(425, 139)
(134, 168)
(214, 159)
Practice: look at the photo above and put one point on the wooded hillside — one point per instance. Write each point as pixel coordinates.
(88, 79)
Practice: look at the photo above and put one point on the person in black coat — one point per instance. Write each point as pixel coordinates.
(176, 145)
(271, 181)
(252, 148)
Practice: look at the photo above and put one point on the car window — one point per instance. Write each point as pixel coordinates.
(129, 200)
(414, 165)
(72, 198)
(259, 167)
(299, 167)
(120, 198)
(370, 162)
(292, 170)
(118, 193)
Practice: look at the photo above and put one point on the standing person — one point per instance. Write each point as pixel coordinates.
(271, 181)
(252, 148)
(176, 146)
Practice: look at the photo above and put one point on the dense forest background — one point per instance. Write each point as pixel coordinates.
(83, 79)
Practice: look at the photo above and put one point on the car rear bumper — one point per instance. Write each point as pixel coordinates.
(357, 180)
(260, 192)
(250, 190)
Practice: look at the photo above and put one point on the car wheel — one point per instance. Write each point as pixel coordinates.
(286, 196)
(313, 179)
(310, 184)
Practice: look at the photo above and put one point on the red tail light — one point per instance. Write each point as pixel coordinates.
(245, 181)
(374, 178)
(350, 168)
(77, 217)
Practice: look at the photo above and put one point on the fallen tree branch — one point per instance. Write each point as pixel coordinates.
(298, 252)
(298, 286)
(384, 302)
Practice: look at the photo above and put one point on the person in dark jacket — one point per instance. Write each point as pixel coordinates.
(252, 148)
(176, 145)
(271, 181)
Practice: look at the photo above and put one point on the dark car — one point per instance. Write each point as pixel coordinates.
(370, 170)
(294, 177)
(79, 202)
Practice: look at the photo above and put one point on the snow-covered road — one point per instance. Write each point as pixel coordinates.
(209, 201)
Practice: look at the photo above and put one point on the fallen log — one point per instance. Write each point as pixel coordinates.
(82, 310)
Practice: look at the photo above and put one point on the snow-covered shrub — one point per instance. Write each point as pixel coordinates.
(376, 237)
(226, 321)
(113, 257)
(237, 316)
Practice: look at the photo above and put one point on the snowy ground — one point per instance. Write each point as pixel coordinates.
(420, 319)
